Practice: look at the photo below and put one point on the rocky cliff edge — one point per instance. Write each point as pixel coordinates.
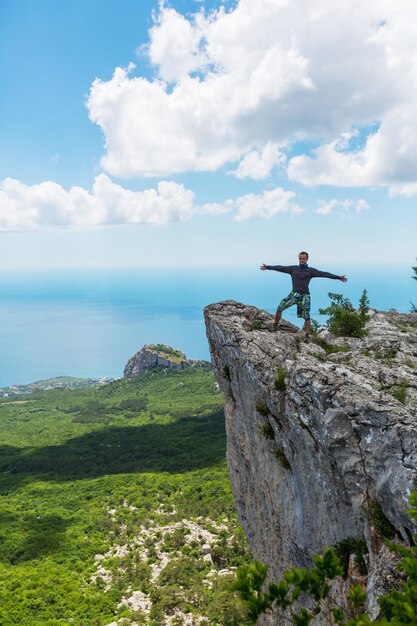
(321, 439)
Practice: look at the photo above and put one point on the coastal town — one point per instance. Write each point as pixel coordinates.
(60, 382)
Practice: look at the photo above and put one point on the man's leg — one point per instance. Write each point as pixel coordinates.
(306, 305)
(284, 304)
(277, 320)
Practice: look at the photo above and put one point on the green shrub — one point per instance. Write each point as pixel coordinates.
(282, 459)
(386, 355)
(314, 325)
(344, 320)
(250, 584)
(400, 392)
(262, 408)
(255, 325)
(329, 348)
(226, 372)
(182, 571)
(399, 605)
(168, 352)
(226, 610)
(280, 376)
(267, 431)
(364, 305)
(133, 404)
(352, 545)
(380, 521)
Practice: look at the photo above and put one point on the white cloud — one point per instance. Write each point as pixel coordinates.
(174, 44)
(388, 159)
(257, 164)
(343, 208)
(24, 207)
(269, 73)
(267, 205)
(406, 189)
(326, 208)
(362, 205)
(48, 205)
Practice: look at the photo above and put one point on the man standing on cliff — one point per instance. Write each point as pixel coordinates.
(301, 275)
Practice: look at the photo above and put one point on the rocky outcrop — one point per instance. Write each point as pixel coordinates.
(321, 439)
(156, 356)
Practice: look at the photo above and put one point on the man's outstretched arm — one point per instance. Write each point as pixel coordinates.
(319, 274)
(278, 268)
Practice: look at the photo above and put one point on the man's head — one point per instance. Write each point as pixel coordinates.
(303, 257)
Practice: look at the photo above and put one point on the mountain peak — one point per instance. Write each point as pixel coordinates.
(159, 355)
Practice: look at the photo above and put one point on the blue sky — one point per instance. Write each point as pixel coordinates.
(207, 133)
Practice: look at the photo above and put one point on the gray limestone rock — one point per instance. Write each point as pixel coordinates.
(153, 356)
(311, 456)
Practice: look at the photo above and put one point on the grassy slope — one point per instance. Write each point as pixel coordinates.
(86, 471)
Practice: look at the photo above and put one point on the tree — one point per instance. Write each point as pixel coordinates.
(398, 607)
(413, 306)
(344, 320)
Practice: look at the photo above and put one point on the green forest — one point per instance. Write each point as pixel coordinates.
(115, 506)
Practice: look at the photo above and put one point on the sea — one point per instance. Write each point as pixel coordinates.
(89, 322)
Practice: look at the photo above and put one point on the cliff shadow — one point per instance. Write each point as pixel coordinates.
(189, 443)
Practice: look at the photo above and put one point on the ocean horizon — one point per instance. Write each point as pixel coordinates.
(89, 322)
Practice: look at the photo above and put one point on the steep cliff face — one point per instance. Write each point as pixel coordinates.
(321, 445)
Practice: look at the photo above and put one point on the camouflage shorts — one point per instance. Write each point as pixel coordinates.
(302, 300)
